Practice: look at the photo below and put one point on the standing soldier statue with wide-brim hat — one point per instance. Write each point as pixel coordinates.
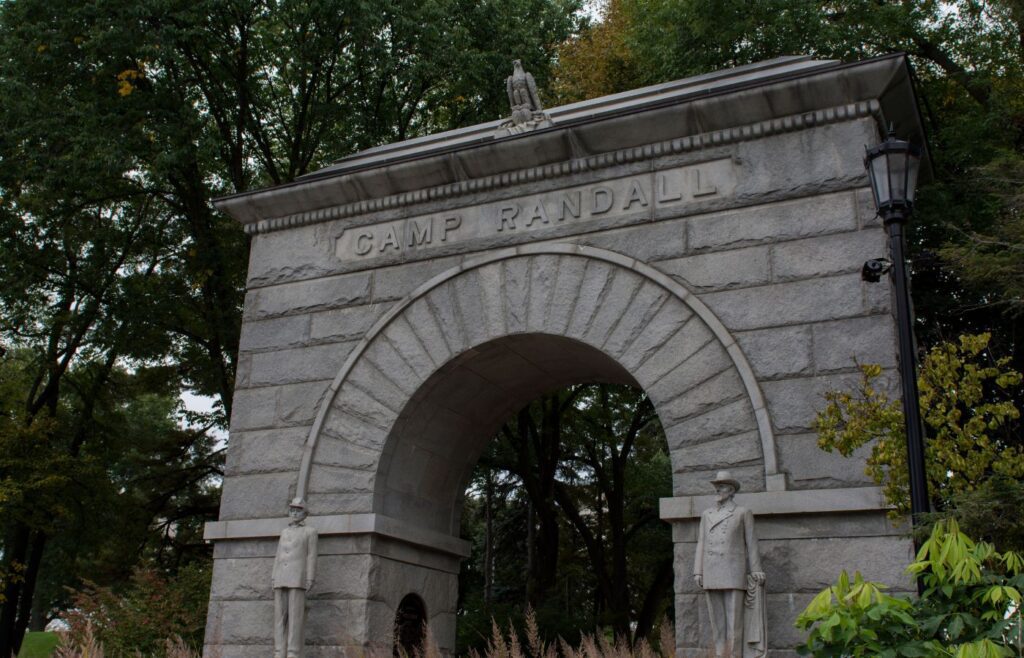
(728, 568)
(294, 570)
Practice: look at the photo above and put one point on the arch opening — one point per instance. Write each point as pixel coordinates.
(439, 436)
(410, 620)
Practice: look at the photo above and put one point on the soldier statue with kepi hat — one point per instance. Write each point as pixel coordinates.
(294, 569)
(728, 568)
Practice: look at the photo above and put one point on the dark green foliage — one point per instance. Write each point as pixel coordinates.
(567, 495)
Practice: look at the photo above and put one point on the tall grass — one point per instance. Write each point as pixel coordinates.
(501, 644)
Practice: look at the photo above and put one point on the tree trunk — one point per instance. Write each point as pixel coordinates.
(488, 539)
(16, 556)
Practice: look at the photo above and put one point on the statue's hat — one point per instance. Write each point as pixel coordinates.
(725, 477)
(297, 503)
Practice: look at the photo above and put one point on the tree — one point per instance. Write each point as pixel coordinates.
(967, 403)
(122, 121)
(574, 481)
(968, 58)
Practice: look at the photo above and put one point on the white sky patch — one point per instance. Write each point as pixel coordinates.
(204, 404)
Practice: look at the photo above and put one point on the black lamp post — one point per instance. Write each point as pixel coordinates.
(892, 167)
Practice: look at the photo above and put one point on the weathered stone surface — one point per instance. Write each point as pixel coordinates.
(647, 242)
(298, 403)
(307, 296)
(265, 451)
(845, 343)
(289, 331)
(721, 388)
(825, 298)
(392, 283)
(778, 352)
(789, 220)
(346, 323)
(719, 270)
(793, 403)
(254, 408)
(256, 496)
(826, 255)
(726, 420)
(810, 467)
(301, 364)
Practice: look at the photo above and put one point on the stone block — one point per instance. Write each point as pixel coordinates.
(810, 467)
(253, 408)
(299, 403)
(256, 496)
(301, 252)
(391, 283)
(303, 364)
(340, 480)
(778, 352)
(725, 453)
(671, 353)
(707, 362)
(637, 316)
(337, 452)
(444, 306)
(468, 299)
(719, 389)
(786, 220)
(346, 323)
(242, 579)
(340, 503)
(727, 420)
(265, 451)
(796, 565)
(571, 271)
(307, 296)
(516, 280)
(794, 403)
(240, 622)
(845, 343)
(646, 242)
(696, 483)
(621, 292)
(371, 394)
(428, 333)
(288, 331)
(826, 255)
(341, 577)
(797, 302)
(543, 276)
(590, 297)
(402, 337)
(736, 268)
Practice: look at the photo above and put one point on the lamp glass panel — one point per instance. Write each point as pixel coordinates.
(880, 179)
(897, 175)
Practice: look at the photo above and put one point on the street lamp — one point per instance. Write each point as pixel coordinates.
(892, 167)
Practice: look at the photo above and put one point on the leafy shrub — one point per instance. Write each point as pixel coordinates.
(970, 607)
(139, 619)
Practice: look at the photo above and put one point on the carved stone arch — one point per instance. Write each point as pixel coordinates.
(594, 313)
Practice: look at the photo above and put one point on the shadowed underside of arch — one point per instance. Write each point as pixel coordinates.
(411, 409)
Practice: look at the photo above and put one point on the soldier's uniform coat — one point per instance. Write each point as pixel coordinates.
(296, 557)
(723, 557)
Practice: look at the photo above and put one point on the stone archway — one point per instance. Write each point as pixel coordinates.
(414, 405)
(404, 299)
(641, 326)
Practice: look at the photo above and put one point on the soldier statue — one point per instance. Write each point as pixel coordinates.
(728, 568)
(294, 570)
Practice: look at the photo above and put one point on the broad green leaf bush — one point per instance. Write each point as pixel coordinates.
(970, 607)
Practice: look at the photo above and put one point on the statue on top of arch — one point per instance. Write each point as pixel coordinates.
(527, 111)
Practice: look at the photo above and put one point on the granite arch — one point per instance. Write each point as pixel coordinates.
(661, 338)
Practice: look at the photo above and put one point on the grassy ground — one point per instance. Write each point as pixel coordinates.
(38, 645)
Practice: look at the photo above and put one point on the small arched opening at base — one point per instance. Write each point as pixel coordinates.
(410, 621)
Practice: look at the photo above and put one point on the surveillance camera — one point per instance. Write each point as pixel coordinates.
(874, 269)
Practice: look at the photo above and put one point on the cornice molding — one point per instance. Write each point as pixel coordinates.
(760, 129)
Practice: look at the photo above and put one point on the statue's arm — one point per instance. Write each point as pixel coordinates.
(311, 553)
